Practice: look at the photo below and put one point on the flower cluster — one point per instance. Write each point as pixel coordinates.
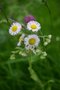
(30, 38)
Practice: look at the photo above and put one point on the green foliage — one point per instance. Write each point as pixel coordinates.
(17, 74)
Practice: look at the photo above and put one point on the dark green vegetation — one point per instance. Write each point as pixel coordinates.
(14, 75)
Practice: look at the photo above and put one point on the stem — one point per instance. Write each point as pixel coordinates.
(46, 4)
(6, 18)
(10, 69)
(4, 14)
(43, 36)
(34, 75)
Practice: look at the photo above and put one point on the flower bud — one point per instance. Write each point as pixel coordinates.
(42, 57)
(45, 43)
(50, 36)
(44, 54)
(48, 40)
(29, 18)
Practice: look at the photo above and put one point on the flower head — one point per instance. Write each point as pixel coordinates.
(31, 41)
(15, 28)
(33, 25)
(29, 18)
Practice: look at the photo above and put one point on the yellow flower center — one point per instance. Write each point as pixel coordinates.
(33, 26)
(32, 41)
(14, 28)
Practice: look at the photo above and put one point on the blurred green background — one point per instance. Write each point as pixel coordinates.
(15, 75)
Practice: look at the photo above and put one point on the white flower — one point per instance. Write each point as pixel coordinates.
(31, 41)
(15, 28)
(21, 39)
(33, 25)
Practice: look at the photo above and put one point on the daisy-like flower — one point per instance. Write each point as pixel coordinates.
(21, 39)
(31, 41)
(34, 26)
(15, 28)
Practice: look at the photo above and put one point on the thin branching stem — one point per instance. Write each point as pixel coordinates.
(4, 14)
(46, 4)
(36, 78)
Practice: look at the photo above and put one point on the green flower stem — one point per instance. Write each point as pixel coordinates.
(49, 11)
(5, 17)
(43, 36)
(34, 76)
(49, 81)
(4, 14)
(10, 69)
